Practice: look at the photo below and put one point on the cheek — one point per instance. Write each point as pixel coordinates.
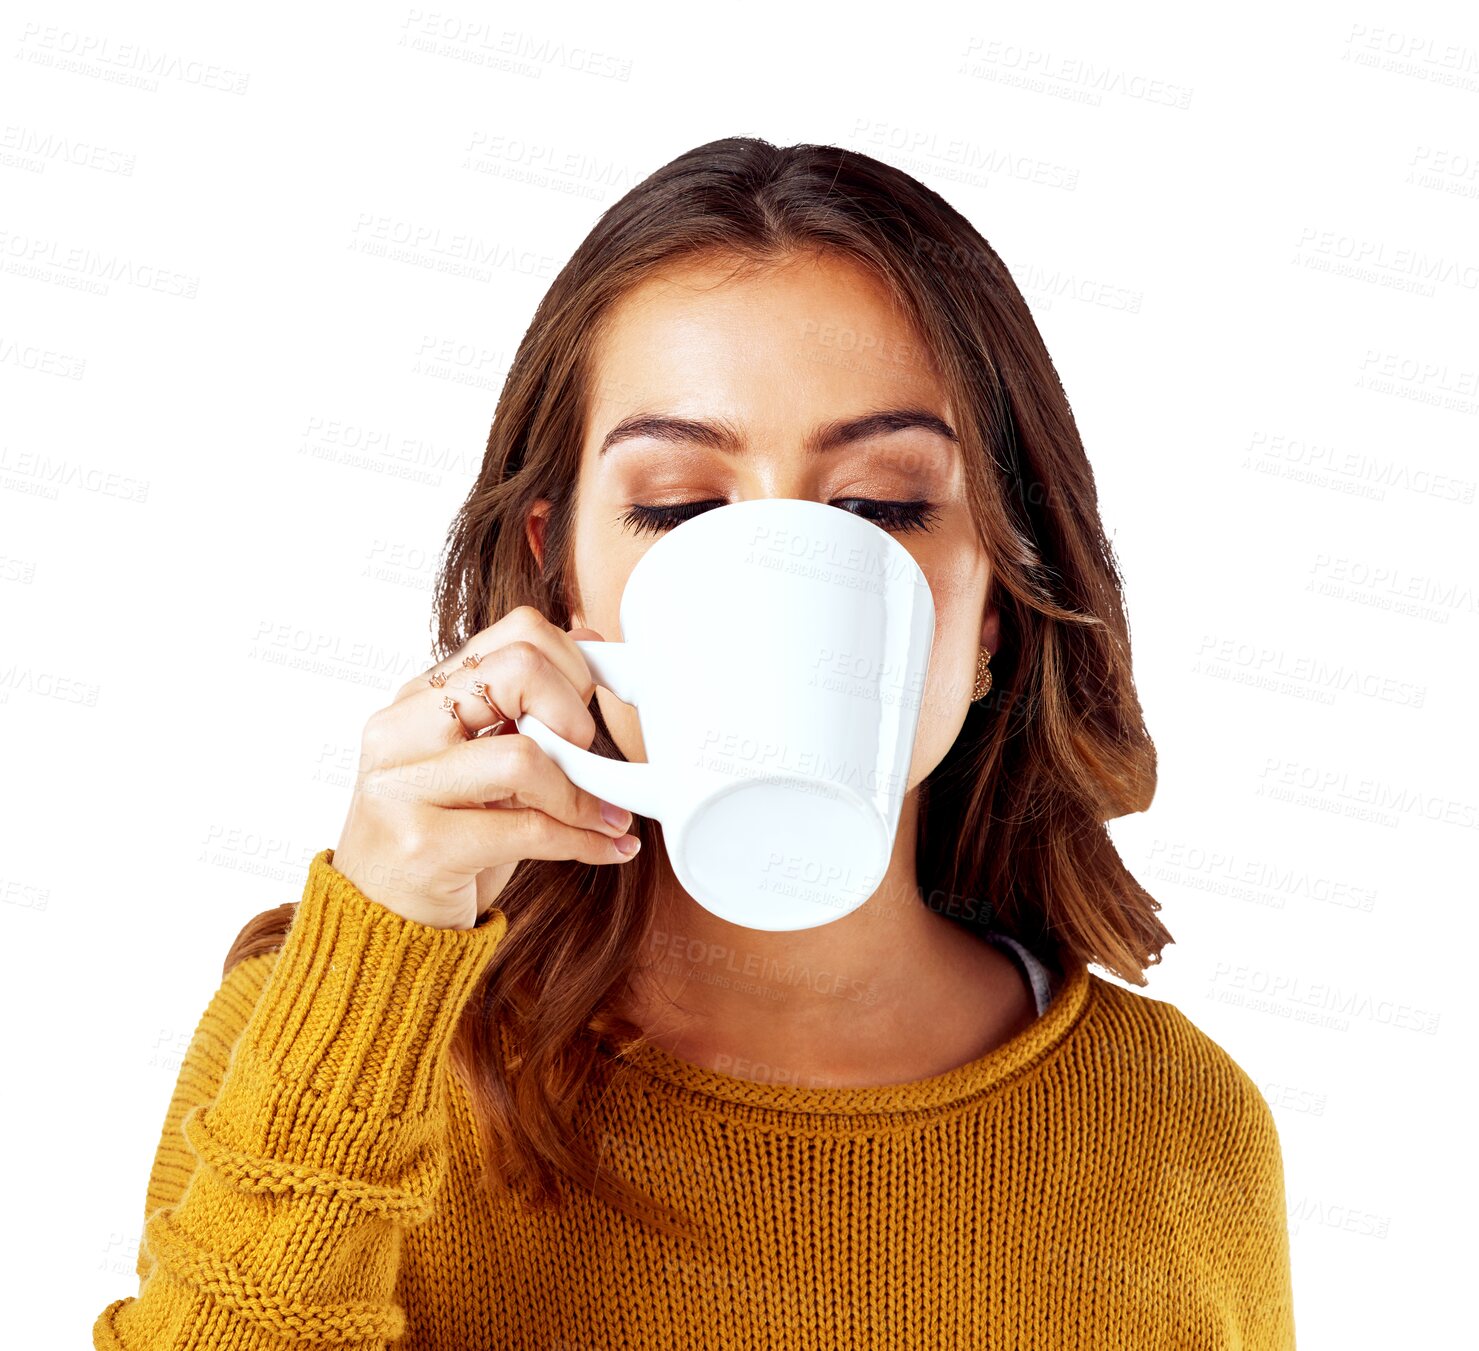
(604, 558)
(957, 581)
(958, 587)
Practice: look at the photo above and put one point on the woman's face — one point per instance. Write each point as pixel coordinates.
(774, 357)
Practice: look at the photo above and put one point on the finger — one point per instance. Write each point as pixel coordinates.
(514, 772)
(474, 838)
(512, 680)
(517, 678)
(522, 622)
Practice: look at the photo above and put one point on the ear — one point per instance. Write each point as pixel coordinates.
(991, 630)
(534, 529)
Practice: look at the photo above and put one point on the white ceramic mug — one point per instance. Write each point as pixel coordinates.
(776, 651)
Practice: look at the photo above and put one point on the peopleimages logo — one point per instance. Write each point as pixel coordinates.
(126, 63)
(1318, 1001)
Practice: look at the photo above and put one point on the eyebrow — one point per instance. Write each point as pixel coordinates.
(721, 435)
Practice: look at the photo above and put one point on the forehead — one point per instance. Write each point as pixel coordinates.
(814, 329)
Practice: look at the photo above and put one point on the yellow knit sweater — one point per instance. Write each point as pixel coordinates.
(1108, 1178)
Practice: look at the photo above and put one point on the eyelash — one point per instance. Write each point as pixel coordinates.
(900, 516)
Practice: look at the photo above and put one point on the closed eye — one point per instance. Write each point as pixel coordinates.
(896, 516)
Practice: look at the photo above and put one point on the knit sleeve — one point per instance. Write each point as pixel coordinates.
(1256, 1231)
(313, 1135)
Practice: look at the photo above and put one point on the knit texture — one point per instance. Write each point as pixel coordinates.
(1108, 1178)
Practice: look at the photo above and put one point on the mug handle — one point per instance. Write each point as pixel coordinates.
(640, 788)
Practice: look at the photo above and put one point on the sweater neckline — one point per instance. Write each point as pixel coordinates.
(970, 1080)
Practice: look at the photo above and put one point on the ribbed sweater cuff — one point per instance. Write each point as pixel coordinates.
(354, 1025)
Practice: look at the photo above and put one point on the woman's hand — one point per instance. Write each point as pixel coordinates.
(439, 817)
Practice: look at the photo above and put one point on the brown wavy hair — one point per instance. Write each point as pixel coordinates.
(1015, 814)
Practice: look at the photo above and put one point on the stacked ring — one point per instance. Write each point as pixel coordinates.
(480, 688)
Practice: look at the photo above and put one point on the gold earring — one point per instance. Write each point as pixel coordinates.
(983, 675)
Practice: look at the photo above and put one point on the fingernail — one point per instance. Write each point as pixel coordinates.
(613, 815)
(627, 844)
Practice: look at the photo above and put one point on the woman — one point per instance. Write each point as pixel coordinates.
(498, 1081)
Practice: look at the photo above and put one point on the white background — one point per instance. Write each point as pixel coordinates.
(1251, 248)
